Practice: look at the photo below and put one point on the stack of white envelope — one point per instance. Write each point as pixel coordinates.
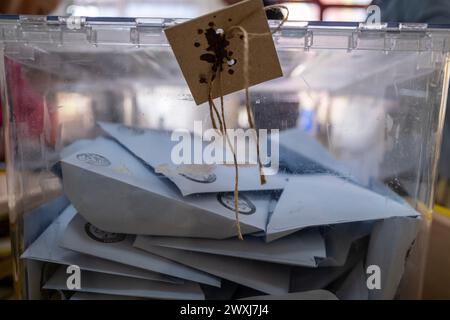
(142, 227)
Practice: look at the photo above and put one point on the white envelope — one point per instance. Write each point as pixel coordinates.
(155, 148)
(82, 237)
(390, 242)
(95, 282)
(46, 249)
(101, 296)
(225, 292)
(262, 276)
(116, 192)
(306, 279)
(300, 249)
(307, 295)
(339, 239)
(317, 200)
(354, 287)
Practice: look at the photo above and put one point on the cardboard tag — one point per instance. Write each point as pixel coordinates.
(202, 45)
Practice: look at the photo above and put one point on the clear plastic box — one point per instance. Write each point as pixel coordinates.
(360, 111)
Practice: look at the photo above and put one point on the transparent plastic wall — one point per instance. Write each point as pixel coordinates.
(361, 105)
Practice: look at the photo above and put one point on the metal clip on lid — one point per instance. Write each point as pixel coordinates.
(73, 22)
(413, 26)
(25, 19)
(373, 26)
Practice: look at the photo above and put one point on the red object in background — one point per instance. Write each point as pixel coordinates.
(323, 5)
(29, 105)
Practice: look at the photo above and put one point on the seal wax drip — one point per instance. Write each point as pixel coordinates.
(217, 51)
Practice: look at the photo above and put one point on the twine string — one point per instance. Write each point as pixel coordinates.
(236, 167)
(212, 106)
(220, 117)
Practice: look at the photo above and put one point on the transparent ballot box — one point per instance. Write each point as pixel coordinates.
(118, 185)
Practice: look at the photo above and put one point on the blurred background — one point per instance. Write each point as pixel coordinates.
(348, 10)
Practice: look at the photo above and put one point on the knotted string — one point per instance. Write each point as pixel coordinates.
(214, 112)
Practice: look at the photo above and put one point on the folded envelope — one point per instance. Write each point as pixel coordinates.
(300, 153)
(155, 148)
(301, 249)
(306, 279)
(339, 239)
(46, 249)
(101, 296)
(82, 237)
(317, 200)
(354, 287)
(390, 244)
(265, 277)
(225, 292)
(308, 295)
(116, 192)
(94, 282)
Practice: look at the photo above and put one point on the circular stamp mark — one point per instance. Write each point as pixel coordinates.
(245, 206)
(102, 236)
(94, 159)
(200, 177)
